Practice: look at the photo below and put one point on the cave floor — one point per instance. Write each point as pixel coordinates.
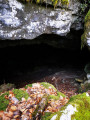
(63, 79)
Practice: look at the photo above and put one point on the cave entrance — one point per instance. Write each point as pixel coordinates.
(24, 64)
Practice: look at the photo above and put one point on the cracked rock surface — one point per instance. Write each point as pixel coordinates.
(27, 21)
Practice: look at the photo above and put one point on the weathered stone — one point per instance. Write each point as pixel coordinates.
(19, 21)
(77, 108)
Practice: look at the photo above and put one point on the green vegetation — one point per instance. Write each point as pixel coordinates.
(20, 93)
(65, 2)
(4, 102)
(82, 103)
(47, 85)
(46, 116)
(56, 97)
(83, 106)
(87, 17)
(85, 5)
(29, 85)
(86, 29)
(54, 2)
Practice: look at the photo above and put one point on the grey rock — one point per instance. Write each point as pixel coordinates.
(19, 21)
(88, 76)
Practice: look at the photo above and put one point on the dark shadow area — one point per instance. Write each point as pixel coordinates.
(37, 60)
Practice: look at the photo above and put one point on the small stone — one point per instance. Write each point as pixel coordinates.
(15, 100)
(23, 100)
(88, 76)
(87, 94)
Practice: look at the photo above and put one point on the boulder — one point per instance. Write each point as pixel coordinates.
(27, 21)
(76, 109)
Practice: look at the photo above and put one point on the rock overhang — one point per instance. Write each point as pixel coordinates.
(19, 21)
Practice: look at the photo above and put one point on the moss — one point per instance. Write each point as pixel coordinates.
(82, 103)
(29, 85)
(56, 97)
(87, 17)
(53, 2)
(86, 29)
(83, 39)
(4, 102)
(65, 2)
(83, 107)
(20, 93)
(46, 116)
(47, 85)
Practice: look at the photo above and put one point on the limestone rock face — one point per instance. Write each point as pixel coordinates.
(27, 21)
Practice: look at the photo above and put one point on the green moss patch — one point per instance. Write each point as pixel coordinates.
(4, 102)
(83, 106)
(47, 116)
(87, 17)
(47, 85)
(65, 2)
(29, 85)
(56, 97)
(82, 103)
(20, 93)
(52, 2)
(86, 30)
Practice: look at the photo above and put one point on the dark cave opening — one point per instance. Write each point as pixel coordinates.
(31, 60)
(21, 59)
